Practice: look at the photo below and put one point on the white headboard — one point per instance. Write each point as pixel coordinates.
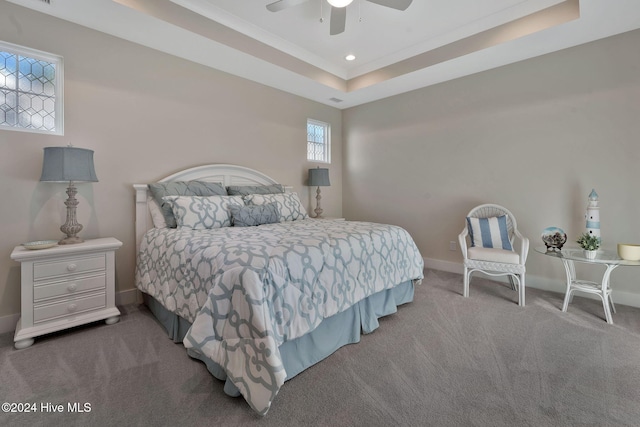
(223, 174)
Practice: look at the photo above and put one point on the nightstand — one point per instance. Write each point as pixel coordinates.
(65, 286)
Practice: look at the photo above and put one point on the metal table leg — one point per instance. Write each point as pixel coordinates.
(603, 290)
(605, 293)
(570, 270)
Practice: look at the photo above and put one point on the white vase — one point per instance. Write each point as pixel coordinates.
(589, 254)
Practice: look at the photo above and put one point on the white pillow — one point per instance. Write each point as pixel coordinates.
(200, 212)
(156, 213)
(288, 204)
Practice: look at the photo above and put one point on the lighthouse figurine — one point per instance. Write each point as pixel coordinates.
(593, 216)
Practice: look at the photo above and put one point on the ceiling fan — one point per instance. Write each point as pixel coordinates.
(338, 10)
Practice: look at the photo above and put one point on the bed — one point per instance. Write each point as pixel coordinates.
(260, 304)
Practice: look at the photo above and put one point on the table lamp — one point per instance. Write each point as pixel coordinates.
(318, 177)
(69, 164)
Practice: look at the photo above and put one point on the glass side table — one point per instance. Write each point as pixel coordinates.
(608, 258)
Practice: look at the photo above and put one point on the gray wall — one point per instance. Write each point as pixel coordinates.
(534, 136)
(147, 115)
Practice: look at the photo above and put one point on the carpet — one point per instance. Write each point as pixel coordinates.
(442, 360)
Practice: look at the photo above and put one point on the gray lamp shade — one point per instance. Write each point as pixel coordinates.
(65, 164)
(319, 177)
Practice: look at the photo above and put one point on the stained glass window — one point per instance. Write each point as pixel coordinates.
(318, 141)
(30, 90)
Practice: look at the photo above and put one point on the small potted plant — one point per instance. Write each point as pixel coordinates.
(589, 244)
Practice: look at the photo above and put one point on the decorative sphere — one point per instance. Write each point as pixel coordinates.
(554, 237)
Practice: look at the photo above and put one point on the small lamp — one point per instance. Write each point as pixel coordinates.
(318, 177)
(69, 164)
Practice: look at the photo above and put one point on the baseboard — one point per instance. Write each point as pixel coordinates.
(130, 296)
(449, 266)
(127, 297)
(8, 323)
(537, 282)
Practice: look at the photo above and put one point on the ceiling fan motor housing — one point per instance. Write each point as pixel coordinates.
(338, 10)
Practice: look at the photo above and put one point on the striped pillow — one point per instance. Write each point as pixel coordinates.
(489, 232)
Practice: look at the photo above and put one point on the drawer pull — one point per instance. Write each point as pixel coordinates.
(72, 267)
(72, 307)
(72, 287)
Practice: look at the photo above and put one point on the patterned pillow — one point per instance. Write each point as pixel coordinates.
(288, 204)
(489, 232)
(245, 190)
(182, 188)
(247, 216)
(202, 212)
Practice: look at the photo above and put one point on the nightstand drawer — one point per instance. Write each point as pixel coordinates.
(42, 270)
(68, 287)
(69, 307)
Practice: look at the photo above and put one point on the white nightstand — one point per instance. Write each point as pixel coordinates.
(65, 286)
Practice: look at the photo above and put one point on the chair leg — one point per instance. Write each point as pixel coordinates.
(465, 289)
(512, 283)
(521, 292)
(567, 299)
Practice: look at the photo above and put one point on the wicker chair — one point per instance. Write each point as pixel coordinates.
(495, 262)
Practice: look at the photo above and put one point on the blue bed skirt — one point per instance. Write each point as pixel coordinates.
(299, 354)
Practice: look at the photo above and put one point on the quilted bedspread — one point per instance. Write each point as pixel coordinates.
(246, 290)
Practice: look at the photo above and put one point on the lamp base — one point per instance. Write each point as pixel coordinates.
(318, 210)
(70, 240)
(71, 228)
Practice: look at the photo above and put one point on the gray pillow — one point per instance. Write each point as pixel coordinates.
(182, 188)
(200, 213)
(289, 206)
(245, 190)
(248, 216)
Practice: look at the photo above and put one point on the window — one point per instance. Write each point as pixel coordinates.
(318, 141)
(30, 90)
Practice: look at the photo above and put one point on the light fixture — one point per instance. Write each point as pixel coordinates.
(69, 164)
(350, 57)
(339, 3)
(318, 177)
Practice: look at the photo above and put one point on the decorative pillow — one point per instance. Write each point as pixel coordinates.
(156, 213)
(489, 232)
(245, 190)
(288, 204)
(248, 216)
(202, 212)
(182, 188)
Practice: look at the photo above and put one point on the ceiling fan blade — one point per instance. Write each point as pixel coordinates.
(393, 4)
(279, 5)
(338, 20)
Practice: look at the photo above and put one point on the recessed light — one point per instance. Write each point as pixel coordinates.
(350, 57)
(339, 3)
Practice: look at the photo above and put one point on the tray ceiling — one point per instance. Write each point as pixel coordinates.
(396, 51)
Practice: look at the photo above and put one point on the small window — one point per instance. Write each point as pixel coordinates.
(30, 90)
(318, 141)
